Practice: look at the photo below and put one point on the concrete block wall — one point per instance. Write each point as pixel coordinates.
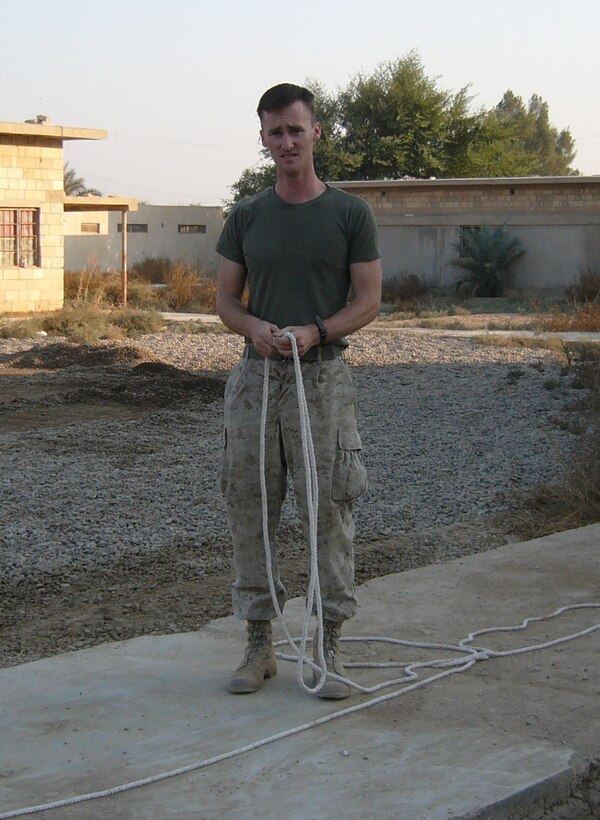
(31, 176)
(506, 200)
(420, 221)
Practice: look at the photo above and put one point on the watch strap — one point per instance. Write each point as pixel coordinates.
(322, 329)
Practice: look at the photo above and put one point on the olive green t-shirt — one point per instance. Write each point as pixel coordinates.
(298, 257)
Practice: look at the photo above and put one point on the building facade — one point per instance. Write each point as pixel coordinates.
(421, 223)
(186, 232)
(32, 206)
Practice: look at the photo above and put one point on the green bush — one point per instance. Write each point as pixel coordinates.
(486, 254)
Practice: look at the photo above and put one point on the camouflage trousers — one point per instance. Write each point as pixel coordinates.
(342, 477)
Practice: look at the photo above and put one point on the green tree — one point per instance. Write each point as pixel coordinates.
(75, 186)
(398, 122)
(519, 140)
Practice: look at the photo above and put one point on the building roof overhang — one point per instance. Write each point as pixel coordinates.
(472, 182)
(99, 203)
(59, 132)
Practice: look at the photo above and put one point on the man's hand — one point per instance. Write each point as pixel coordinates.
(307, 336)
(263, 338)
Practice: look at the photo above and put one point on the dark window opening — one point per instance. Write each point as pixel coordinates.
(191, 228)
(133, 227)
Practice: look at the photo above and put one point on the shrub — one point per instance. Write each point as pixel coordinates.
(187, 286)
(85, 323)
(91, 286)
(486, 254)
(152, 269)
(404, 289)
(586, 288)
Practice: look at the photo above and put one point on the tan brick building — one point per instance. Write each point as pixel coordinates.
(420, 222)
(32, 203)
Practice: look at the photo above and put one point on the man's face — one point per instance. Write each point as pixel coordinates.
(290, 136)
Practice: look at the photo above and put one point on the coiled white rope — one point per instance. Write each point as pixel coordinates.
(470, 655)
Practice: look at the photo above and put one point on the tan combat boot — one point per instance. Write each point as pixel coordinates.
(259, 660)
(332, 689)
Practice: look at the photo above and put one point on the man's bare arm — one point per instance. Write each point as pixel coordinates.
(366, 284)
(233, 314)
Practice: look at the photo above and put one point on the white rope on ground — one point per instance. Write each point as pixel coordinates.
(448, 666)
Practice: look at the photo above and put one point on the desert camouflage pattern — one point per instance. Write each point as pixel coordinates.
(342, 477)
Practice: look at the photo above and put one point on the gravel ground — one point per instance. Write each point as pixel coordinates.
(111, 524)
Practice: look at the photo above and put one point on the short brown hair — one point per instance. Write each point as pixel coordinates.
(283, 95)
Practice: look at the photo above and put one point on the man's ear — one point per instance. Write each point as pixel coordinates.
(262, 138)
(317, 131)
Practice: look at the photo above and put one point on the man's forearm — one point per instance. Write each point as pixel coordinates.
(234, 315)
(351, 318)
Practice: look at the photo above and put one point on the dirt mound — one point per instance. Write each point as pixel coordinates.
(150, 384)
(57, 356)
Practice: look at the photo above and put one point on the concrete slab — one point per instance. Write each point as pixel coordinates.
(495, 741)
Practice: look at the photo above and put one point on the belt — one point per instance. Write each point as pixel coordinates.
(323, 353)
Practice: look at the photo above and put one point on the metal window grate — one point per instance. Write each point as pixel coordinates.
(191, 228)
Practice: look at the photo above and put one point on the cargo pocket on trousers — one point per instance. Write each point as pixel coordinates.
(349, 472)
(223, 468)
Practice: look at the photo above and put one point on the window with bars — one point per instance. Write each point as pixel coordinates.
(19, 237)
(191, 228)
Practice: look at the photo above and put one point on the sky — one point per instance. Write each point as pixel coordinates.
(176, 83)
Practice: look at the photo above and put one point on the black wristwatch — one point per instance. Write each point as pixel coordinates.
(322, 329)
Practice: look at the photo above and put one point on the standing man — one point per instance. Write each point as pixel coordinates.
(299, 247)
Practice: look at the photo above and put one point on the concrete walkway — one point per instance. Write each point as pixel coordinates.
(493, 742)
(209, 318)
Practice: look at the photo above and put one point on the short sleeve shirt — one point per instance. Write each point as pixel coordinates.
(298, 256)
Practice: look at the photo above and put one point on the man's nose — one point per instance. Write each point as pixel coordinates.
(287, 141)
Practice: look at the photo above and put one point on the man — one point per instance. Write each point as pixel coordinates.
(299, 246)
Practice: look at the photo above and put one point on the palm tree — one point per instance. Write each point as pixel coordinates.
(75, 186)
(486, 253)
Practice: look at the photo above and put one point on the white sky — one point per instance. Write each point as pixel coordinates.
(176, 82)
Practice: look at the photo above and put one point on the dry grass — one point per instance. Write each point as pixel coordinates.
(531, 342)
(586, 288)
(184, 287)
(191, 289)
(85, 323)
(584, 318)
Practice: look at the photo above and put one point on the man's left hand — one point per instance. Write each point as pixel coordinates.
(307, 336)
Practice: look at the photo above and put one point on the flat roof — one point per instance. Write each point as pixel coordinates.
(60, 132)
(99, 203)
(465, 182)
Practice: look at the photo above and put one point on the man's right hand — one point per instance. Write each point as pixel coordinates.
(262, 338)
